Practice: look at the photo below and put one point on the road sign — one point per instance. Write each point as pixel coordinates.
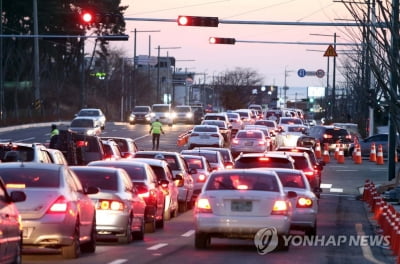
(301, 72)
(320, 73)
(330, 52)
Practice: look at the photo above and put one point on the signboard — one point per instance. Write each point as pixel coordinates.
(302, 73)
(320, 73)
(315, 91)
(330, 52)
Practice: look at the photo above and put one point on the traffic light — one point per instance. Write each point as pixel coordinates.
(197, 21)
(87, 17)
(214, 40)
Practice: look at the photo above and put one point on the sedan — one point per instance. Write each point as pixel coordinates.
(239, 203)
(305, 205)
(206, 135)
(58, 212)
(11, 239)
(378, 139)
(119, 208)
(85, 126)
(94, 113)
(214, 157)
(249, 141)
(200, 169)
(225, 130)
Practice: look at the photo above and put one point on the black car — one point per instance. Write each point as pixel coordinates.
(140, 114)
(332, 136)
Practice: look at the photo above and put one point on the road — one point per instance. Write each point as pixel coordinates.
(342, 217)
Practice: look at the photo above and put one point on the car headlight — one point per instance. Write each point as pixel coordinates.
(152, 115)
(189, 115)
(90, 132)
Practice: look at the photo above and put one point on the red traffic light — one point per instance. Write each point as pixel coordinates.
(214, 40)
(198, 21)
(87, 17)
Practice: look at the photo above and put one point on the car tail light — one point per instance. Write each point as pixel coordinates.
(348, 137)
(81, 143)
(203, 206)
(110, 205)
(264, 159)
(327, 136)
(201, 178)
(261, 142)
(229, 166)
(304, 202)
(59, 206)
(280, 208)
(164, 185)
(309, 172)
(242, 187)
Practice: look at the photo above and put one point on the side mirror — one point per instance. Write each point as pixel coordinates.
(178, 177)
(18, 196)
(193, 171)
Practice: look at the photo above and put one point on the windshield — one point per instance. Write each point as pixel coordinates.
(141, 109)
(82, 123)
(160, 108)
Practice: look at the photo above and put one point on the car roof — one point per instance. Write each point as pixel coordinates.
(153, 162)
(32, 165)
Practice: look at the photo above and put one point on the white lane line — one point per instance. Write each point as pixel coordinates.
(118, 261)
(366, 250)
(347, 170)
(325, 185)
(157, 246)
(336, 190)
(188, 233)
(25, 139)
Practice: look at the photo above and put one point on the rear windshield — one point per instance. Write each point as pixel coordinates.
(290, 179)
(211, 157)
(104, 180)
(337, 132)
(263, 162)
(134, 172)
(300, 162)
(159, 172)
(194, 163)
(205, 129)
(170, 159)
(249, 181)
(249, 134)
(31, 178)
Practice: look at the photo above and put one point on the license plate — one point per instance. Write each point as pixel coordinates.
(248, 143)
(241, 206)
(204, 137)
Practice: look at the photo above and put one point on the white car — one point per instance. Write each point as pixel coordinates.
(288, 135)
(200, 169)
(249, 141)
(238, 203)
(305, 205)
(205, 135)
(85, 126)
(94, 113)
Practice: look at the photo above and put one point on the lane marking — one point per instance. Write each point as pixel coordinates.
(118, 261)
(347, 170)
(326, 185)
(157, 246)
(336, 190)
(366, 250)
(188, 233)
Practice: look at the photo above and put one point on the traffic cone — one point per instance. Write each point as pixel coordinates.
(318, 153)
(325, 156)
(379, 156)
(336, 154)
(340, 157)
(372, 154)
(357, 157)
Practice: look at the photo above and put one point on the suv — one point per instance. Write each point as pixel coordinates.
(184, 113)
(140, 114)
(264, 160)
(126, 145)
(85, 126)
(164, 113)
(332, 135)
(94, 113)
(34, 152)
(198, 113)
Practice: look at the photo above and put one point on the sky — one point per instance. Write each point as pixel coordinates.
(277, 64)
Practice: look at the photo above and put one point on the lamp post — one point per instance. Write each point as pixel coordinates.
(285, 88)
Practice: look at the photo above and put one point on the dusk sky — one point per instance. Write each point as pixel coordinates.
(271, 61)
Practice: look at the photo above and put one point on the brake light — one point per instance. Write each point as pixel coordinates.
(348, 137)
(235, 141)
(164, 185)
(15, 186)
(304, 202)
(327, 136)
(203, 206)
(309, 172)
(261, 142)
(280, 208)
(144, 195)
(81, 143)
(59, 206)
(242, 187)
(110, 205)
(263, 159)
(201, 178)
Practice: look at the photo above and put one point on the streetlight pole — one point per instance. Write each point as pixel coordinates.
(285, 88)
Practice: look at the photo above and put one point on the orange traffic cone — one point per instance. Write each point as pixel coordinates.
(340, 157)
(353, 155)
(318, 153)
(357, 156)
(372, 154)
(379, 156)
(325, 156)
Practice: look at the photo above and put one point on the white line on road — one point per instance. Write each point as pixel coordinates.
(366, 250)
(188, 233)
(347, 170)
(336, 190)
(157, 246)
(326, 185)
(118, 261)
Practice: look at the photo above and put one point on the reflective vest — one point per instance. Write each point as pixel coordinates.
(54, 132)
(156, 127)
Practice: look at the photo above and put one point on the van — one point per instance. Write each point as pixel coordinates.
(163, 112)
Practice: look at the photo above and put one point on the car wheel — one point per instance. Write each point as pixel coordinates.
(167, 213)
(127, 237)
(311, 231)
(151, 226)
(201, 240)
(139, 235)
(90, 247)
(18, 251)
(74, 250)
(160, 222)
(175, 212)
(182, 206)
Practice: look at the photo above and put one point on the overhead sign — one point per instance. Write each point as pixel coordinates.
(301, 72)
(330, 52)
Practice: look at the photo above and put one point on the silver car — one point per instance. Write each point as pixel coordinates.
(58, 212)
(249, 141)
(86, 126)
(119, 208)
(94, 113)
(200, 169)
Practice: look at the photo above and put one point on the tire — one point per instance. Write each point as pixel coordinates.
(18, 258)
(160, 222)
(150, 227)
(127, 237)
(74, 250)
(139, 235)
(182, 206)
(90, 247)
(201, 240)
(176, 211)
(281, 244)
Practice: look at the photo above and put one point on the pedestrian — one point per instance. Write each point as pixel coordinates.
(156, 129)
(54, 131)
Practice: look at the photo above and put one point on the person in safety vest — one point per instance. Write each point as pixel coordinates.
(156, 129)
(54, 131)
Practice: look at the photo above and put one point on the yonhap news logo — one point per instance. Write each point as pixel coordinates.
(267, 240)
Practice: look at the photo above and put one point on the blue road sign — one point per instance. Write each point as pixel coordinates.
(301, 72)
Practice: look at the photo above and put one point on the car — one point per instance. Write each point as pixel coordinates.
(269, 136)
(224, 128)
(26, 152)
(271, 124)
(198, 113)
(286, 121)
(85, 126)
(94, 113)
(236, 122)
(184, 113)
(258, 108)
(305, 205)
(378, 139)
(127, 146)
(205, 135)
(246, 115)
(238, 203)
(289, 135)
(249, 141)
(111, 150)
(57, 212)
(57, 156)
(332, 136)
(264, 160)
(145, 181)
(179, 168)
(214, 157)
(166, 178)
(164, 113)
(140, 114)
(226, 155)
(200, 170)
(10, 224)
(119, 207)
